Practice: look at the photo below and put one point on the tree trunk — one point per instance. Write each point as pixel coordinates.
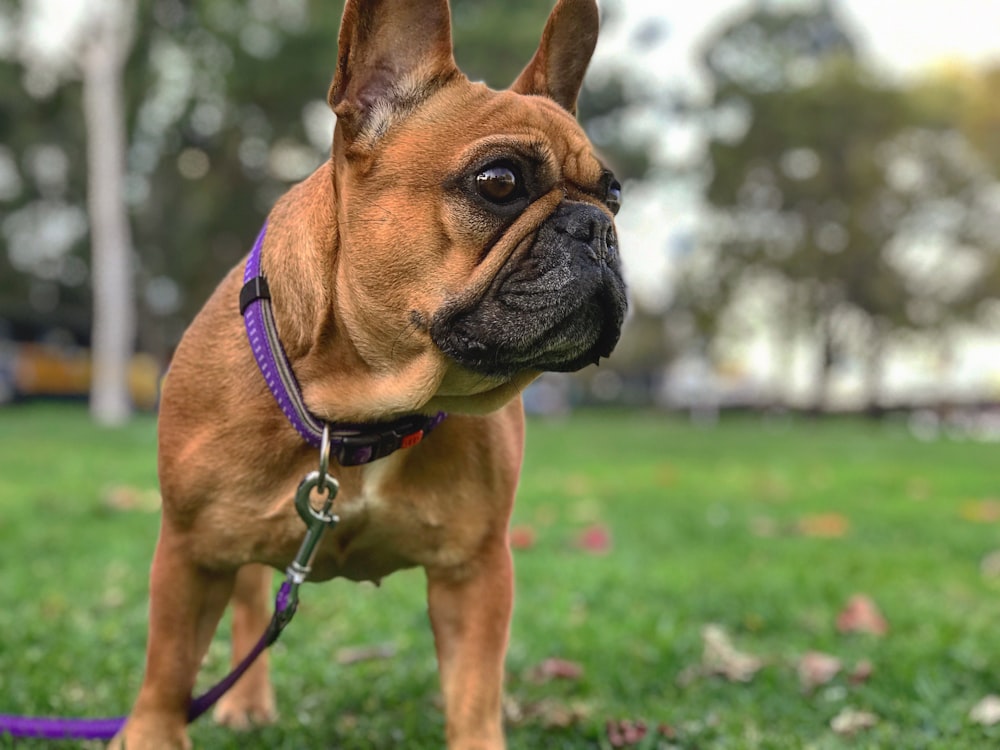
(824, 362)
(874, 364)
(114, 324)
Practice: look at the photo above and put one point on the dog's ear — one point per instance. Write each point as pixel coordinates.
(392, 55)
(568, 41)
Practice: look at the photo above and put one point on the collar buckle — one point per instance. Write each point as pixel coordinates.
(354, 450)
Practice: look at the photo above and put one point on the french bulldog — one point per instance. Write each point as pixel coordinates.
(458, 242)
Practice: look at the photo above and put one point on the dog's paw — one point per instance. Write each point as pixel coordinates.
(242, 711)
(137, 736)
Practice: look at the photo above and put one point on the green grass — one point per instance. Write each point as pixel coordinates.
(703, 525)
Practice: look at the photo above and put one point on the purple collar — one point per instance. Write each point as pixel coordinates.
(350, 444)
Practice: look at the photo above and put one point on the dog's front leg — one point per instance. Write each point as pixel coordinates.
(186, 602)
(470, 612)
(251, 700)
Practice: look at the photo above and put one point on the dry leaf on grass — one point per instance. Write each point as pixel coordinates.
(595, 539)
(816, 669)
(522, 537)
(720, 657)
(666, 476)
(587, 510)
(824, 525)
(625, 732)
(123, 497)
(549, 713)
(356, 654)
(862, 615)
(981, 511)
(987, 711)
(578, 485)
(553, 714)
(555, 669)
(628, 732)
(989, 567)
(764, 527)
(850, 721)
(918, 489)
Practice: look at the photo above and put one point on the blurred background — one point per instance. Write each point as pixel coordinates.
(811, 210)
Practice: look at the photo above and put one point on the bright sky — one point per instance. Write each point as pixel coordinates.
(904, 36)
(908, 34)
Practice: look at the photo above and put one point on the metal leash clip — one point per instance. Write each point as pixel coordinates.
(317, 520)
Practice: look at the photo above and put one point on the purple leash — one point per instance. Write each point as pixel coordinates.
(55, 728)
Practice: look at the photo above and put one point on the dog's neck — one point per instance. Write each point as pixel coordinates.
(339, 382)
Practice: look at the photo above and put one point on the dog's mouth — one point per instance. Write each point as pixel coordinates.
(557, 308)
(542, 339)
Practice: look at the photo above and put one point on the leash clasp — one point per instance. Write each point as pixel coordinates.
(325, 485)
(317, 520)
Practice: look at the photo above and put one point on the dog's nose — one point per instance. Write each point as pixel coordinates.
(587, 223)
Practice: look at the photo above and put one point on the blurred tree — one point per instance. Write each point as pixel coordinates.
(773, 47)
(43, 237)
(816, 201)
(228, 110)
(977, 97)
(980, 122)
(495, 40)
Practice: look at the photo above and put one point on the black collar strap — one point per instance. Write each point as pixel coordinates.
(350, 444)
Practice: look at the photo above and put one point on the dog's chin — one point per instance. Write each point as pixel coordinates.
(580, 339)
(467, 392)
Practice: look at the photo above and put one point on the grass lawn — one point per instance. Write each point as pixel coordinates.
(764, 528)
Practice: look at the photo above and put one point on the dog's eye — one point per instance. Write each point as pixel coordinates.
(500, 183)
(614, 197)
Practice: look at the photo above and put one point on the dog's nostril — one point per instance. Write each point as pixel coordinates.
(465, 337)
(603, 244)
(610, 242)
(589, 225)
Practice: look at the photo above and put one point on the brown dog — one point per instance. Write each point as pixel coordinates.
(458, 242)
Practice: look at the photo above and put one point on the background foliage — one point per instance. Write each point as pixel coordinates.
(836, 205)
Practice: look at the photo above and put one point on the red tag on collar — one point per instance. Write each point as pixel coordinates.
(412, 439)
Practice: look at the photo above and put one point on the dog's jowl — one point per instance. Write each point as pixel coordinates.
(458, 242)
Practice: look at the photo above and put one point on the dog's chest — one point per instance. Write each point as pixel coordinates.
(385, 525)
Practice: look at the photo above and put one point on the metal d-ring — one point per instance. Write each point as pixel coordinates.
(324, 453)
(323, 483)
